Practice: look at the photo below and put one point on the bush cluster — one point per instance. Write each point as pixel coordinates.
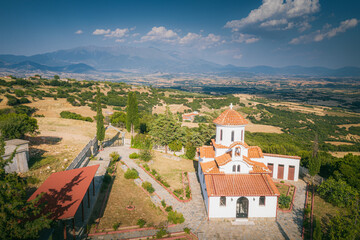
(134, 155)
(71, 115)
(284, 201)
(175, 217)
(131, 174)
(148, 187)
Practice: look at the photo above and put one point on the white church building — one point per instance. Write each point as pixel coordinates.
(236, 179)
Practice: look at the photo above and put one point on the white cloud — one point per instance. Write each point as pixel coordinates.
(238, 56)
(101, 32)
(120, 40)
(326, 32)
(79, 32)
(274, 12)
(245, 38)
(189, 38)
(117, 33)
(135, 34)
(160, 34)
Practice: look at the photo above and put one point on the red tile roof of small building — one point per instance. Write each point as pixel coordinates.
(240, 185)
(64, 191)
(223, 159)
(230, 117)
(255, 152)
(281, 156)
(217, 145)
(209, 167)
(207, 152)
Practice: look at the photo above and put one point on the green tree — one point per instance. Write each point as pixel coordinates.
(190, 151)
(56, 77)
(165, 129)
(19, 219)
(118, 119)
(342, 226)
(132, 113)
(100, 128)
(14, 125)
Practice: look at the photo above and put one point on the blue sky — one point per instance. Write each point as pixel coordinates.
(243, 33)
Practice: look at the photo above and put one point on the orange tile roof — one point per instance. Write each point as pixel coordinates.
(206, 152)
(238, 143)
(223, 159)
(258, 167)
(230, 117)
(209, 167)
(217, 145)
(240, 185)
(255, 152)
(281, 156)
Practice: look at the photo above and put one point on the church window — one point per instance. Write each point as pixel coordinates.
(232, 136)
(221, 133)
(234, 168)
(237, 152)
(238, 168)
(262, 201)
(222, 201)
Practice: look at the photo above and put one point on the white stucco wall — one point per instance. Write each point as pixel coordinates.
(203, 188)
(226, 137)
(228, 168)
(255, 211)
(276, 161)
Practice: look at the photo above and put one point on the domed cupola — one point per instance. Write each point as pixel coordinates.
(230, 127)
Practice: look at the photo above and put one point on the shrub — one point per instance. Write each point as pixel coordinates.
(114, 156)
(168, 208)
(134, 155)
(131, 174)
(178, 192)
(187, 230)
(190, 151)
(71, 115)
(284, 201)
(141, 222)
(148, 187)
(161, 233)
(175, 146)
(145, 155)
(147, 168)
(153, 172)
(163, 203)
(175, 217)
(116, 226)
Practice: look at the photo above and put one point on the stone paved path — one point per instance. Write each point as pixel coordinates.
(287, 226)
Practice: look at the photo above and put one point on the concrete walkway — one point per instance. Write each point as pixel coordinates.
(288, 225)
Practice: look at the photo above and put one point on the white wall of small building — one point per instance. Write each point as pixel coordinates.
(255, 210)
(226, 136)
(276, 161)
(228, 168)
(203, 188)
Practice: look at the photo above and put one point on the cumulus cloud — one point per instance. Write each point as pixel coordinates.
(189, 38)
(238, 56)
(101, 32)
(326, 32)
(117, 33)
(276, 12)
(160, 34)
(79, 32)
(245, 38)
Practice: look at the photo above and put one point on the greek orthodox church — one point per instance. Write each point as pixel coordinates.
(236, 179)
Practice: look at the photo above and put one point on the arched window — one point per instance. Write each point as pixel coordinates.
(237, 152)
(238, 168)
(222, 201)
(232, 136)
(221, 133)
(234, 168)
(242, 136)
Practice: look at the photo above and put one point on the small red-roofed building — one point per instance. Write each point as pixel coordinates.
(237, 179)
(189, 116)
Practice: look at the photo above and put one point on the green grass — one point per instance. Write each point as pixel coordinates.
(36, 162)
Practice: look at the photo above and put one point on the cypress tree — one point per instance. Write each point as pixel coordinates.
(132, 113)
(100, 129)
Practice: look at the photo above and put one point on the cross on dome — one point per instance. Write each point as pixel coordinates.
(231, 105)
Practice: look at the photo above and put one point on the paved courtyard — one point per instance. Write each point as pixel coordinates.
(287, 226)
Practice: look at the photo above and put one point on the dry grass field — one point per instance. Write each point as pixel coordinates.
(125, 192)
(342, 154)
(171, 169)
(339, 143)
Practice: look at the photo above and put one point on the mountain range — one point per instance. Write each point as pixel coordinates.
(147, 60)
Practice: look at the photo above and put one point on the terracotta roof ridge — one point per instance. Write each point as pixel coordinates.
(267, 184)
(281, 155)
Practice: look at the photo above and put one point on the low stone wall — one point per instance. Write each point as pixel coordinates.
(90, 149)
(20, 160)
(304, 172)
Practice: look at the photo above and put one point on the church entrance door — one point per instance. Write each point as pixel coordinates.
(242, 207)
